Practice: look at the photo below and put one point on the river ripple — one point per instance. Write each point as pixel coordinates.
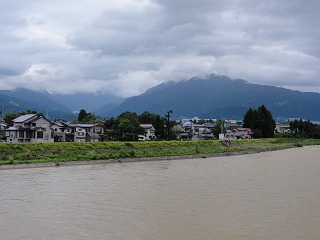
(271, 195)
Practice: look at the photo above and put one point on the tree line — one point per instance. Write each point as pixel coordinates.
(303, 129)
(126, 126)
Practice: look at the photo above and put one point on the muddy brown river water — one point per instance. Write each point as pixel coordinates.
(271, 195)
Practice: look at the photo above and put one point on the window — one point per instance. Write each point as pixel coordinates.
(39, 134)
(44, 125)
(80, 133)
(21, 134)
(46, 135)
(28, 134)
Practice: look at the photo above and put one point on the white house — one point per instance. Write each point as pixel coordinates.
(30, 128)
(149, 132)
(239, 133)
(67, 132)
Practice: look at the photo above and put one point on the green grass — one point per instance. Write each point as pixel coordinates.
(62, 152)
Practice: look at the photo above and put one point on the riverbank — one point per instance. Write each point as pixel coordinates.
(15, 156)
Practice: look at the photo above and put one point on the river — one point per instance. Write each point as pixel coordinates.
(271, 195)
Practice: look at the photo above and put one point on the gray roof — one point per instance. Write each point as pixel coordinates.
(146, 126)
(209, 125)
(12, 129)
(85, 125)
(24, 118)
(94, 135)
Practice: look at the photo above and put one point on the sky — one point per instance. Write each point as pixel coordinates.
(125, 47)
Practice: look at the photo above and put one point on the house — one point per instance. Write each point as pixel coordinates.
(68, 132)
(149, 132)
(205, 133)
(178, 130)
(3, 127)
(63, 131)
(88, 133)
(30, 128)
(283, 128)
(181, 132)
(239, 133)
(209, 125)
(197, 127)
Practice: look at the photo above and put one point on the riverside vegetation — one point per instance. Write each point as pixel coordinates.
(117, 151)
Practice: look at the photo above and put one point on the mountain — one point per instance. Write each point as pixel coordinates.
(89, 101)
(217, 96)
(22, 99)
(106, 108)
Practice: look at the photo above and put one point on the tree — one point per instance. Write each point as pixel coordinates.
(260, 121)
(159, 125)
(126, 126)
(85, 117)
(146, 118)
(248, 119)
(304, 129)
(89, 118)
(217, 129)
(267, 123)
(8, 118)
(82, 115)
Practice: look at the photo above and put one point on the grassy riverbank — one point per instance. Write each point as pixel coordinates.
(65, 152)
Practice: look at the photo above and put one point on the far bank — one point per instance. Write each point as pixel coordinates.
(57, 154)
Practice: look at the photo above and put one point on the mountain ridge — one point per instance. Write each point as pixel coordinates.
(213, 96)
(218, 96)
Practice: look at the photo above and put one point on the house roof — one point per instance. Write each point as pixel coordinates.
(178, 128)
(24, 118)
(85, 125)
(146, 126)
(209, 125)
(233, 125)
(244, 129)
(12, 128)
(94, 135)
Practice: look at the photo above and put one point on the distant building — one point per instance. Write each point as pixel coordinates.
(180, 132)
(30, 128)
(149, 133)
(68, 132)
(3, 127)
(232, 124)
(283, 128)
(239, 133)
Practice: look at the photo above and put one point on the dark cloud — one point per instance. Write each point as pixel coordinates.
(128, 46)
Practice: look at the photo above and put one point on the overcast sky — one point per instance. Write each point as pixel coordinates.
(128, 46)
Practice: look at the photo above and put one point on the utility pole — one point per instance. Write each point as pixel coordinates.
(168, 123)
(1, 112)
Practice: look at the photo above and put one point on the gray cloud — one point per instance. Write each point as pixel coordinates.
(128, 46)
